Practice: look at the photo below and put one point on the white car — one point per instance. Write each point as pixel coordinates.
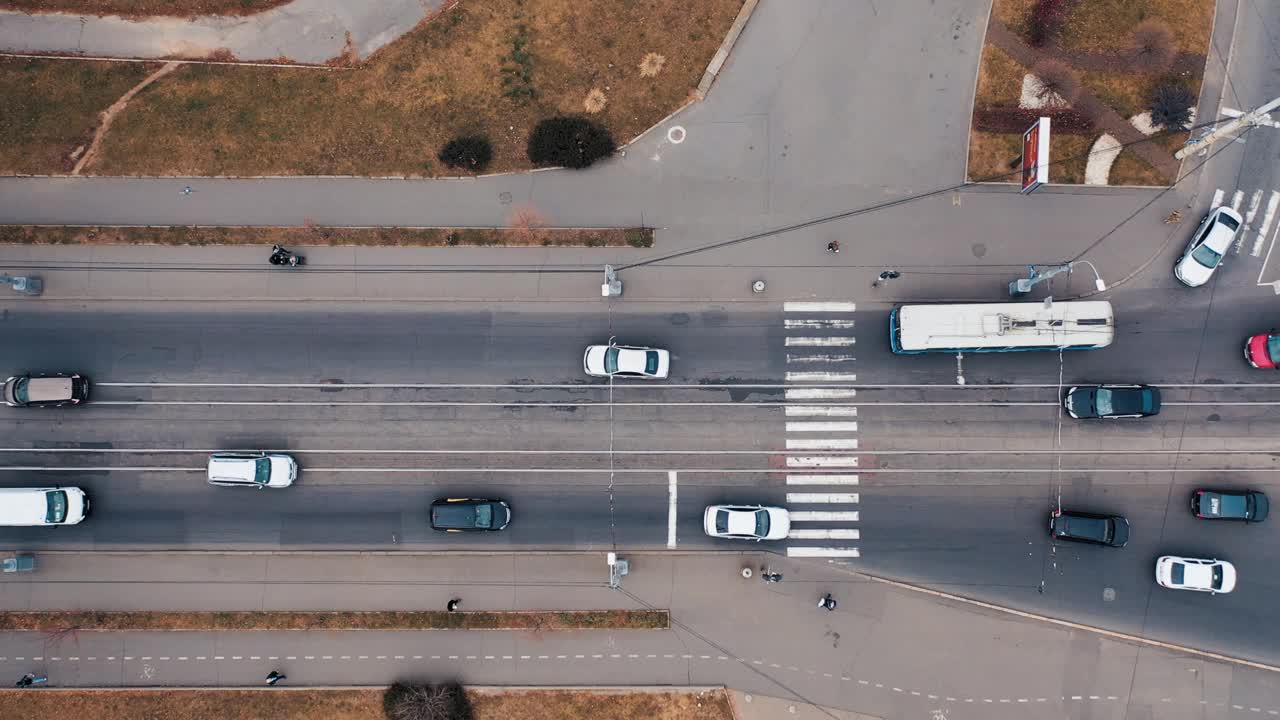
(1211, 576)
(746, 522)
(1208, 244)
(625, 361)
(257, 470)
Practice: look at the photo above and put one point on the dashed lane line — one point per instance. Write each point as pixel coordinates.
(816, 461)
(819, 342)
(823, 534)
(820, 377)
(824, 516)
(795, 393)
(818, 324)
(802, 359)
(823, 552)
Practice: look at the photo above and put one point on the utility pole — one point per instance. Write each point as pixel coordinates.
(1252, 118)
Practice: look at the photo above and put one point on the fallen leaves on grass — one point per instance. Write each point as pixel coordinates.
(523, 232)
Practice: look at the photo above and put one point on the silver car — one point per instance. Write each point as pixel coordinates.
(254, 469)
(1208, 244)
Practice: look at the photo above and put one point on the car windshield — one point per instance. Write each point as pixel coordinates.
(651, 362)
(611, 360)
(484, 516)
(722, 522)
(762, 523)
(1102, 401)
(1217, 577)
(56, 508)
(1206, 256)
(262, 471)
(1273, 347)
(20, 390)
(1177, 573)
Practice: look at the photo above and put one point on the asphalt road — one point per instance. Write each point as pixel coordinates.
(953, 484)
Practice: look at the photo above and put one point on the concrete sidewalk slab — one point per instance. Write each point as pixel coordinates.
(304, 31)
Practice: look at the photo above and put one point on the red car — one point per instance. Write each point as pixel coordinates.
(1262, 351)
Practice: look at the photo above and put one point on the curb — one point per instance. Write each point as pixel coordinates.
(485, 689)
(718, 60)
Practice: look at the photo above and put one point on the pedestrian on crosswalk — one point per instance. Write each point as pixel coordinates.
(274, 677)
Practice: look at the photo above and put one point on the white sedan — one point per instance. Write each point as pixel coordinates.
(1201, 575)
(625, 361)
(253, 469)
(746, 522)
(1208, 244)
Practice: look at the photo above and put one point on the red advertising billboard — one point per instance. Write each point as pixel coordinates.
(1035, 156)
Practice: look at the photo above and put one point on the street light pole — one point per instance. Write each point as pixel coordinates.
(1035, 276)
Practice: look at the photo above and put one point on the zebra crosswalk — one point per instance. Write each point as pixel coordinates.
(821, 430)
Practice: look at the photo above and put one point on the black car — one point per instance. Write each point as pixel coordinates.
(1111, 401)
(1246, 505)
(45, 390)
(469, 514)
(1111, 530)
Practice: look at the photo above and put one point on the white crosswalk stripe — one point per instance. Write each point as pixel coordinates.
(819, 336)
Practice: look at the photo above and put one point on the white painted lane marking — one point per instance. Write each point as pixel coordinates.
(819, 358)
(821, 444)
(819, 342)
(800, 462)
(819, 307)
(822, 426)
(1273, 203)
(824, 394)
(1236, 199)
(822, 479)
(821, 552)
(823, 534)
(831, 498)
(819, 516)
(1254, 200)
(818, 324)
(671, 509)
(820, 377)
(821, 411)
(1218, 195)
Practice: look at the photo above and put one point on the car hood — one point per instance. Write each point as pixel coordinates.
(1193, 273)
(779, 524)
(1228, 577)
(593, 359)
(283, 471)
(77, 504)
(1257, 348)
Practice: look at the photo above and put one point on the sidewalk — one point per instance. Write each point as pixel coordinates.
(304, 31)
(885, 653)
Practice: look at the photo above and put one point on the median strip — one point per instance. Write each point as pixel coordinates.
(89, 620)
(528, 233)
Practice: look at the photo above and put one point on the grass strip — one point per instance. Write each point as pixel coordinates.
(305, 704)
(86, 620)
(317, 235)
(143, 8)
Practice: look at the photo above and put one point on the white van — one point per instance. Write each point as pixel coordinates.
(22, 507)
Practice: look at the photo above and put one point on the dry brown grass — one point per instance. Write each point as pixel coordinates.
(318, 235)
(290, 704)
(990, 155)
(393, 114)
(51, 108)
(1094, 26)
(88, 620)
(144, 8)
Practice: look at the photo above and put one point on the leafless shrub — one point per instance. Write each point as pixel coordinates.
(1153, 47)
(1059, 84)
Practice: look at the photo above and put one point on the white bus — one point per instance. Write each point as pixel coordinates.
(1001, 327)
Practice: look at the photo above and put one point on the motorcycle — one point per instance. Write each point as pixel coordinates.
(281, 256)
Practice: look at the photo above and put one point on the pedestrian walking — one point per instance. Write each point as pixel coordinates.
(274, 677)
(885, 277)
(827, 602)
(833, 247)
(453, 604)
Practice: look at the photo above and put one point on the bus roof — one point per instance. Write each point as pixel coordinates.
(1005, 325)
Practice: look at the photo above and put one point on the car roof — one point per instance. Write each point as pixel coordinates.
(632, 359)
(46, 389)
(1219, 236)
(241, 468)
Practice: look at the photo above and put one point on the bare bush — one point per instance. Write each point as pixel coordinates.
(1059, 84)
(1048, 17)
(1153, 47)
(413, 701)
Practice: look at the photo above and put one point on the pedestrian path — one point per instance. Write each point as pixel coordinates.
(821, 429)
(303, 31)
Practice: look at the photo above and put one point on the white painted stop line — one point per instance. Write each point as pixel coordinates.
(821, 411)
(822, 427)
(819, 534)
(821, 444)
(850, 461)
(833, 498)
(821, 552)
(819, 516)
(819, 393)
(820, 377)
(822, 479)
(819, 307)
(819, 342)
